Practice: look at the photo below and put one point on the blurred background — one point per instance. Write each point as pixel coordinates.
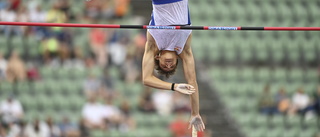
(81, 82)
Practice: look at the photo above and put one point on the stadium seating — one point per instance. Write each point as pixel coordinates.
(60, 90)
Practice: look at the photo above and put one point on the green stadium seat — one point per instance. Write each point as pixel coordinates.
(45, 102)
(39, 87)
(264, 75)
(17, 43)
(261, 121)
(244, 120)
(257, 132)
(23, 87)
(98, 133)
(63, 73)
(144, 132)
(292, 132)
(307, 133)
(277, 121)
(277, 52)
(236, 104)
(215, 73)
(77, 101)
(293, 87)
(133, 88)
(294, 121)
(214, 51)
(279, 75)
(31, 115)
(52, 86)
(262, 52)
(257, 88)
(311, 75)
(245, 51)
(198, 48)
(78, 73)
(247, 74)
(6, 87)
(47, 72)
(29, 102)
(276, 132)
(230, 51)
(33, 46)
(295, 75)
(293, 51)
(230, 74)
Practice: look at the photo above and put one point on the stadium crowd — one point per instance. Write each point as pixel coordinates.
(300, 103)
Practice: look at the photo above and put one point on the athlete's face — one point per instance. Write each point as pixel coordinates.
(167, 61)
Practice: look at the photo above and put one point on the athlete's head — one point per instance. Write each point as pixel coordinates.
(166, 63)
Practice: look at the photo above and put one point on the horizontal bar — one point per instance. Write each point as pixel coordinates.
(292, 28)
(159, 27)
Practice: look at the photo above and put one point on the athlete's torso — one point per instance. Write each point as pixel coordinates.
(170, 12)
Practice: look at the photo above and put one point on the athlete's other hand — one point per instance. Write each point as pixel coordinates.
(197, 123)
(184, 88)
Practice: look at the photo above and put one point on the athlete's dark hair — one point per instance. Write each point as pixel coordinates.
(163, 72)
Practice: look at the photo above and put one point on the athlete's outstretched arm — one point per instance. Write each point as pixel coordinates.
(190, 76)
(148, 77)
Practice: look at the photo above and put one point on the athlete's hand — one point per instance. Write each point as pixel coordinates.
(197, 123)
(184, 88)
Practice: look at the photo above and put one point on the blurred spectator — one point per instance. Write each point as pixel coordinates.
(65, 38)
(10, 16)
(76, 61)
(11, 110)
(23, 127)
(98, 40)
(317, 101)
(93, 9)
(2, 131)
(108, 85)
(37, 129)
(181, 103)
(300, 102)
(118, 51)
(89, 63)
(145, 103)
(3, 4)
(93, 115)
(36, 13)
(3, 67)
(282, 101)
(53, 129)
(68, 128)
(55, 15)
(17, 129)
(84, 130)
(130, 70)
(16, 69)
(266, 103)
(111, 114)
(50, 48)
(121, 8)
(92, 86)
(66, 8)
(15, 4)
(179, 126)
(22, 16)
(163, 102)
(32, 72)
(14, 130)
(128, 122)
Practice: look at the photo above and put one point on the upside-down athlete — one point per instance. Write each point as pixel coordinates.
(164, 47)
